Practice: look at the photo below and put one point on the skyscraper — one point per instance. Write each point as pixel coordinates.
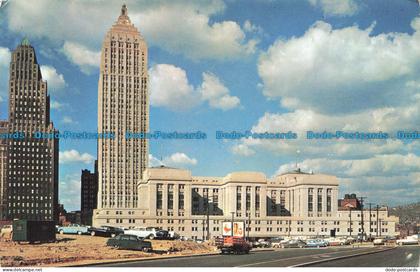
(3, 169)
(32, 169)
(123, 106)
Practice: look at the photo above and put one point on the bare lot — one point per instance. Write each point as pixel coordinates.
(76, 249)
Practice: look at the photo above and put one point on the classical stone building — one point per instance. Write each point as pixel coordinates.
(32, 169)
(291, 204)
(123, 106)
(3, 168)
(89, 194)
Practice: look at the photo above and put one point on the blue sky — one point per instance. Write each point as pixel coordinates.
(261, 65)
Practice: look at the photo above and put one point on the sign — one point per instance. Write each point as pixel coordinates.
(238, 229)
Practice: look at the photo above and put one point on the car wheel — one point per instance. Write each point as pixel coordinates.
(116, 247)
(151, 237)
(145, 249)
(61, 231)
(113, 235)
(79, 233)
(92, 233)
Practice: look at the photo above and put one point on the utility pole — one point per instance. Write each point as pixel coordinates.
(370, 220)
(249, 224)
(208, 219)
(350, 229)
(377, 220)
(204, 220)
(231, 226)
(362, 220)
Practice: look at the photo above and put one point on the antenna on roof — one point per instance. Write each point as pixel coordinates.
(297, 158)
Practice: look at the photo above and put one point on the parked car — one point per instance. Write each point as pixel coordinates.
(335, 241)
(294, 244)
(149, 233)
(73, 229)
(378, 241)
(410, 240)
(316, 243)
(276, 242)
(105, 231)
(126, 241)
(264, 243)
(6, 231)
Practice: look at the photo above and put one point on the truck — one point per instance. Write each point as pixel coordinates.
(233, 245)
(33, 231)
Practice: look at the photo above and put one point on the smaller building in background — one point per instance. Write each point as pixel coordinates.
(350, 201)
(89, 194)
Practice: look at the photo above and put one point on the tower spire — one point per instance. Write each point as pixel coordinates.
(124, 10)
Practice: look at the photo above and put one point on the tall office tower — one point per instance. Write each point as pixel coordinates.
(123, 106)
(32, 171)
(3, 168)
(89, 194)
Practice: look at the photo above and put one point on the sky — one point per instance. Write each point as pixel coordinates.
(230, 65)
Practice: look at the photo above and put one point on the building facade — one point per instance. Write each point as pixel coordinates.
(89, 194)
(293, 204)
(32, 168)
(3, 168)
(123, 106)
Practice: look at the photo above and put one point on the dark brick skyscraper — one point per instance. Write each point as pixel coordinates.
(32, 170)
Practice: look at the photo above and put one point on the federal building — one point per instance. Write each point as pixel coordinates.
(131, 195)
(291, 204)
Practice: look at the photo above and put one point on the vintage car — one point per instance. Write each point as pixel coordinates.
(73, 229)
(149, 233)
(410, 240)
(126, 241)
(295, 243)
(316, 243)
(105, 231)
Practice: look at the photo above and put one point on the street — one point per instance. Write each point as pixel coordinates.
(378, 257)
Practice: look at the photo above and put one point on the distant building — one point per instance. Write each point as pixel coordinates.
(123, 106)
(3, 169)
(89, 194)
(292, 204)
(32, 179)
(350, 201)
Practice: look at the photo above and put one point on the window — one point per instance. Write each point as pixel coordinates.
(238, 198)
(310, 200)
(181, 200)
(159, 200)
(319, 200)
(328, 200)
(257, 198)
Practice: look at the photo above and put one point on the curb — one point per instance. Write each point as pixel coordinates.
(340, 257)
(140, 259)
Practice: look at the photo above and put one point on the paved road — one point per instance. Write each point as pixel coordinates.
(408, 256)
(277, 258)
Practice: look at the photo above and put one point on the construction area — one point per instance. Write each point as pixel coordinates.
(82, 250)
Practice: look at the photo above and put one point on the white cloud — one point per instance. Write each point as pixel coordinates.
(68, 120)
(179, 159)
(57, 105)
(376, 166)
(341, 70)
(243, 150)
(54, 80)
(387, 179)
(216, 93)
(169, 87)
(336, 7)
(153, 161)
(69, 194)
(193, 34)
(388, 120)
(83, 57)
(73, 156)
(5, 56)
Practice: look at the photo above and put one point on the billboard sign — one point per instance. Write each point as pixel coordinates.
(238, 229)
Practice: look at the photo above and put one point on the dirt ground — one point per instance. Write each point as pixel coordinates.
(83, 249)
